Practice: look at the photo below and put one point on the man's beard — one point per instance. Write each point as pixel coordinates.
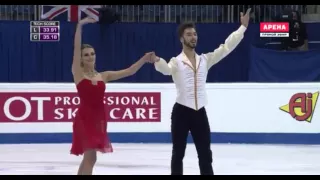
(190, 45)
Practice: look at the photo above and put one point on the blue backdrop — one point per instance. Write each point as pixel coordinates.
(120, 45)
(275, 66)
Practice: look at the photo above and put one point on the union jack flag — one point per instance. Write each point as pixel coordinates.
(72, 13)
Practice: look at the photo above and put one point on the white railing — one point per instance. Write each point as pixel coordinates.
(173, 13)
(19, 12)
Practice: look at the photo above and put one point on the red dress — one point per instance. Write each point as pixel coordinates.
(90, 123)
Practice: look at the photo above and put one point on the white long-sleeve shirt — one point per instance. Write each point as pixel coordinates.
(190, 82)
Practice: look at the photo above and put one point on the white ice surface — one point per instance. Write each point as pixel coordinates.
(154, 159)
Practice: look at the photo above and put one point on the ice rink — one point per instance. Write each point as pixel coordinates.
(154, 159)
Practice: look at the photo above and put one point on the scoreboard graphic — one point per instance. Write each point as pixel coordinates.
(44, 31)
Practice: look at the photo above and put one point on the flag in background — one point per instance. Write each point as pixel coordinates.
(72, 13)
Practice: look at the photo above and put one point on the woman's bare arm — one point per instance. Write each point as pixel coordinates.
(76, 63)
(115, 75)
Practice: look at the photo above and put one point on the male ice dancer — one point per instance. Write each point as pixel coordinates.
(189, 73)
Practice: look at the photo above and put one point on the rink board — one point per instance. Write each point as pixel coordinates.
(140, 113)
(234, 138)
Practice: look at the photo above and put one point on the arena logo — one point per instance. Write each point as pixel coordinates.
(62, 107)
(301, 106)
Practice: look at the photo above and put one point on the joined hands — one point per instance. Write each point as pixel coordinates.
(150, 57)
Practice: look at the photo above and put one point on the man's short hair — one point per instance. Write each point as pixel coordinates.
(185, 26)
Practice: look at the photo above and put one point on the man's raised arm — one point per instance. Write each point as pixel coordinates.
(230, 43)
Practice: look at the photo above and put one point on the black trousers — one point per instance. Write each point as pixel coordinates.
(183, 120)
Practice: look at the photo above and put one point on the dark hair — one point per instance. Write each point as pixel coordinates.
(185, 26)
(298, 15)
